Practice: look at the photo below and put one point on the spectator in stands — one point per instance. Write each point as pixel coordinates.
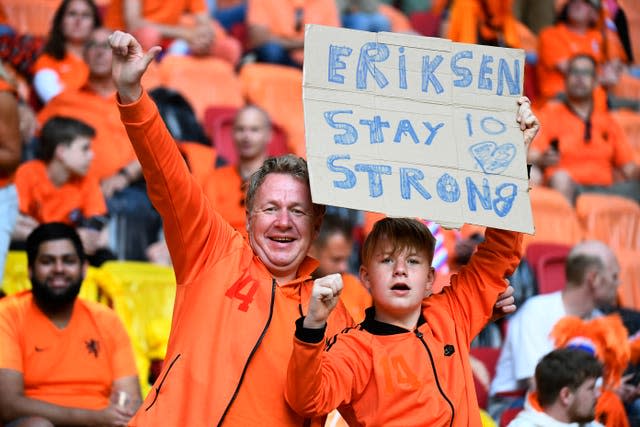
(579, 147)
(181, 26)
(62, 358)
(276, 28)
(566, 391)
(592, 280)
(136, 223)
(55, 187)
(228, 12)
(333, 248)
(10, 155)
(61, 65)
(260, 286)
(576, 32)
(363, 15)
(226, 186)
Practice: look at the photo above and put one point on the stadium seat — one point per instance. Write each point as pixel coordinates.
(548, 263)
(554, 218)
(508, 415)
(200, 159)
(143, 296)
(277, 89)
(426, 23)
(218, 124)
(202, 81)
(30, 16)
(612, 219)
(489, 357)
(16, 279)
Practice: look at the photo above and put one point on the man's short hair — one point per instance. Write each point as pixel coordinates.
(52, 231)
(401, 234)
(333, 224)
(61, 130)
(579, 57)
(288, 164)
(566, 367)
(579, 264)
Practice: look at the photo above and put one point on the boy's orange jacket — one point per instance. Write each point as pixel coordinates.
(232, 326)
(379, 374)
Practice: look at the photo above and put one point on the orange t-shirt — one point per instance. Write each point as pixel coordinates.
(111, 147)
(157, 11)
(74, 366)
(223, 188)
(588, 163)
(76, 199)
(72, 70)
(279, 16)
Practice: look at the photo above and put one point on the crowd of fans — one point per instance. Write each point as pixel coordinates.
(65, 155)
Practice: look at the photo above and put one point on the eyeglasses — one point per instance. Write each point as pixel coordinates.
(582, 72)
(101, 45)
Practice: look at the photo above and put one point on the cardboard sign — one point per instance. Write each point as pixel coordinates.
(415, 126)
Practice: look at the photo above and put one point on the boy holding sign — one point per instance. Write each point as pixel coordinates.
(407, 363)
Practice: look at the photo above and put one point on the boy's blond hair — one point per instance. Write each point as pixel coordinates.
(401, 234)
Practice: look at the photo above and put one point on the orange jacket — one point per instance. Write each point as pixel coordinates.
(380, 374)
(232, 323)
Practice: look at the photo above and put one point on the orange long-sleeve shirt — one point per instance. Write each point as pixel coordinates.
(380, 374)
(232, 323)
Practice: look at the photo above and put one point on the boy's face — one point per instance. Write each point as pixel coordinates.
(397, 282)
(77, 155)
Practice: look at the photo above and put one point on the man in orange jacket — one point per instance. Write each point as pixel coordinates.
(237, 299)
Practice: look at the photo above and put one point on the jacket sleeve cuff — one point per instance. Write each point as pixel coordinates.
(308, 335)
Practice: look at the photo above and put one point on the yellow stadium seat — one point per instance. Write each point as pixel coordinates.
(16, 278)
(143, 296)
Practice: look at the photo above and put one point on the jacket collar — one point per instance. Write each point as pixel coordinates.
(375, 327)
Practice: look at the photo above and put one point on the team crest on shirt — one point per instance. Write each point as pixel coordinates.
(93, 347)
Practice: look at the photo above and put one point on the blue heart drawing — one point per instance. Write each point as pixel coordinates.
(492, 158)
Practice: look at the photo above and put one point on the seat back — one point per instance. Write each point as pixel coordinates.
(278, 90)
(612, 219)
(203, 81)
(554, 218)
(218, 122)
(548, 261)
(489, 357)
(629, 290)
(31, 16)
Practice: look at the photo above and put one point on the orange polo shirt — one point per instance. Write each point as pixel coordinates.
(74, 366)
(111, 147)
(72, 70)
(588, 163)
(39, 198)
(224, 189)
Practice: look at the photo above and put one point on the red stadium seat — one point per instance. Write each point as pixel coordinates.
(548, 261)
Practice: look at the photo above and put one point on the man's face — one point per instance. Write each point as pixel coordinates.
(56, 274)
(334, 256)
(581, 79)
(282, 224)
(76, 155)
(398, 282)
(606, 282)
(251, 134)
(97, 53)
(583, 403)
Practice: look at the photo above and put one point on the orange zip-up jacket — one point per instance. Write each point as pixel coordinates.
(379, 374)
(232, 327)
